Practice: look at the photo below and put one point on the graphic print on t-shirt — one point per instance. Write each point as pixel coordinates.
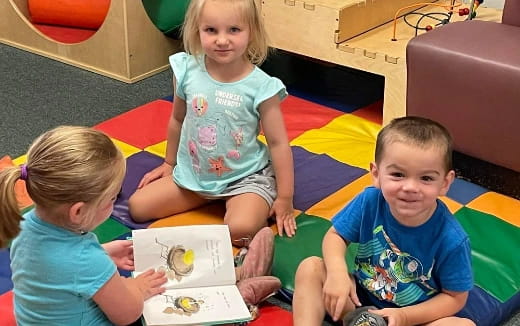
(390, 274)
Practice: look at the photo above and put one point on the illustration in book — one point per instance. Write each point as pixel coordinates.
(198, 262)
(179, 261)
(199, 255)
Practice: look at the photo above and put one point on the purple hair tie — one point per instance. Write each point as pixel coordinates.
(23, 171)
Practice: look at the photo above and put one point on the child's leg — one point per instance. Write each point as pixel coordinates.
(308, 306)
(451, 321)
(245, 215)
(162, 198)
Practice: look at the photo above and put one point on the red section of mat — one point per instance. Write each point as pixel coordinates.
(141, 127)
(372, 112)
(6, 309)
(65, 34)
(271, 315)
(147, 124)
(301, 115)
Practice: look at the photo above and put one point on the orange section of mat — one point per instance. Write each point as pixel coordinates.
(83, 14)
(503, 207)
(208, 214)
(452, 205)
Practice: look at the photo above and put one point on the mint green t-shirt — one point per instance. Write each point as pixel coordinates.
(55, 273)
(218, 143)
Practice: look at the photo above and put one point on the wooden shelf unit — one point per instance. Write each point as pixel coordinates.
(127, 46)
(354, 34)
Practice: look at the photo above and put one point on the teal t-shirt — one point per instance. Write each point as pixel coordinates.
(55, 273)
(218, 143)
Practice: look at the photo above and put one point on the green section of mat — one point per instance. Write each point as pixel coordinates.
(289, 252)
(109, 230)
(495, 254)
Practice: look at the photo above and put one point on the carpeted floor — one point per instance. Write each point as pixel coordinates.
(37, 94)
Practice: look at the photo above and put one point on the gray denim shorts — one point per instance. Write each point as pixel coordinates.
(261, 183)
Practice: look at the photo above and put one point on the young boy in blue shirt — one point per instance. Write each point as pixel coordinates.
(413, 262)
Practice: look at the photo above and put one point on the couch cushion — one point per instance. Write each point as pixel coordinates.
(465, 75)
(511, 15)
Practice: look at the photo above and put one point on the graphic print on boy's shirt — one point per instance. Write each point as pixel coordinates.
(390, 274)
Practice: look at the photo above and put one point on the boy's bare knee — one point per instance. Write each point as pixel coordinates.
(311, 268)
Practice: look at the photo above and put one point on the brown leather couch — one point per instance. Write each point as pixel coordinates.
(466, 75)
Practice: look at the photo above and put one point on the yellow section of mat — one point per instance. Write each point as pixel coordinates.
(347, 138)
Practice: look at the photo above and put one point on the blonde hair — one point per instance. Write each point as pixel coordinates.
(64, 165)
(421, 132)
(258, 47)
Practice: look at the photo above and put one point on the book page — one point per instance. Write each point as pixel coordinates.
(192, 256)
(195, 306)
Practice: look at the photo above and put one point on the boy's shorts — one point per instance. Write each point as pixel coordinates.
(262, 183)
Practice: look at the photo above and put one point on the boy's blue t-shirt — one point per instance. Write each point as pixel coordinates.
(55, 273)
(219, 136)
(400, 265)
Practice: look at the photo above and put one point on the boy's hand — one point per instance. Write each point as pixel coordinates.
(284, 213)
(162, 170)
(122, 253)
(339, 292)
(393, 316)
(150, 283)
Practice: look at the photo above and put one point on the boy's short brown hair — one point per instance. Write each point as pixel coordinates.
(418, 131)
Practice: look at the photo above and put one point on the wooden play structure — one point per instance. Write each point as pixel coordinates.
(127, 46)
(352, 33)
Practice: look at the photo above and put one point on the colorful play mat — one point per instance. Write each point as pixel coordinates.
(332, 150)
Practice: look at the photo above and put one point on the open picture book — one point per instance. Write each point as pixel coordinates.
(198, 261)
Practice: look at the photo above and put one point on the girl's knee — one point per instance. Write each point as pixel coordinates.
(138, 208)
(242, 229)
(245, 215)
(241, 233)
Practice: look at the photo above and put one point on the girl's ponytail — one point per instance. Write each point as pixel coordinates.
(10, 216)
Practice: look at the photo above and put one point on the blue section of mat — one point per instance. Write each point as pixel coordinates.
(463, 191)
(5, 271)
